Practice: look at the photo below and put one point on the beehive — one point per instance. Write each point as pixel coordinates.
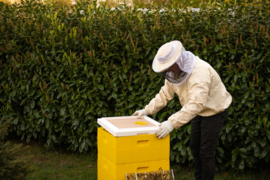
(128, 145)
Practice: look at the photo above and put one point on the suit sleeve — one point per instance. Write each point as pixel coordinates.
(165, 94)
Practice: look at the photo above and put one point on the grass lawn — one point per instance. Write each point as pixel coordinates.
(51, 165)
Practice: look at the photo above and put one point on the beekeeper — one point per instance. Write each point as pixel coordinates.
(204, 101)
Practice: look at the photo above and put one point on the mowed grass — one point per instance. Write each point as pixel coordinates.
(53, 165)
(66, 165)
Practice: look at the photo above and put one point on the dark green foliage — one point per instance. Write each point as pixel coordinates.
(62, 69)
(11, 166)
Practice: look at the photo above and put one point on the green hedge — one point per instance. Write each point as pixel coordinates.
(62, 69)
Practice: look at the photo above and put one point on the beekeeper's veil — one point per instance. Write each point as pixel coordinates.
(167, 55)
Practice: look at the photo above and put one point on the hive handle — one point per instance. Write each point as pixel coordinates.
(142, 169)
(143, 143)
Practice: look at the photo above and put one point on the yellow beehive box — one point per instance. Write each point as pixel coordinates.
(129, 145)
(129, 149)
(111, 171)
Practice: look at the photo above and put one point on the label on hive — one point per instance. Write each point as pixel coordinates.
(129, 125)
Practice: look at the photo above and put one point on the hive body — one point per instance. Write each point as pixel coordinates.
(129, 154)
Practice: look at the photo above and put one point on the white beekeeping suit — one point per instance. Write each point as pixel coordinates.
(198, 86)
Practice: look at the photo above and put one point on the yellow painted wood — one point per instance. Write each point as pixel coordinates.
(128, 149)
(120, 155)
(110, 171)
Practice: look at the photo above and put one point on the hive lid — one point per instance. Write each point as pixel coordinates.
(129, 125)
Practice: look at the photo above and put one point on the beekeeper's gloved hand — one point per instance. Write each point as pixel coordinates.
(140, 113)
(165, 128)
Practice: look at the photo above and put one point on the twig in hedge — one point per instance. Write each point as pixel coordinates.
(236, 44)
(130, 37)
(204, 40)
(41, 87)
(109, 79)
(104, 55)
(241, 40)
(130, 77)
(183, 38)
(44, 84)
(90, 54)
(124, 35)
(228, 42)
(20, 73)
(103, 47)
(197, 48)
(62, 85)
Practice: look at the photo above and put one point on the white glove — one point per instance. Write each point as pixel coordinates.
(165, 128)
(140, 113)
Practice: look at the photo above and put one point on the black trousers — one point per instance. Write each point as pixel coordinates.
(203, 140)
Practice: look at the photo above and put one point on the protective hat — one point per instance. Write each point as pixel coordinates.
(170, 53)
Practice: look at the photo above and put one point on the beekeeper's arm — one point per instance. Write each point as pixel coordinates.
(165, 94)
(199, 84)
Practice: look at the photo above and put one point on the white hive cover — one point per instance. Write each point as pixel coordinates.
(129, 125)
